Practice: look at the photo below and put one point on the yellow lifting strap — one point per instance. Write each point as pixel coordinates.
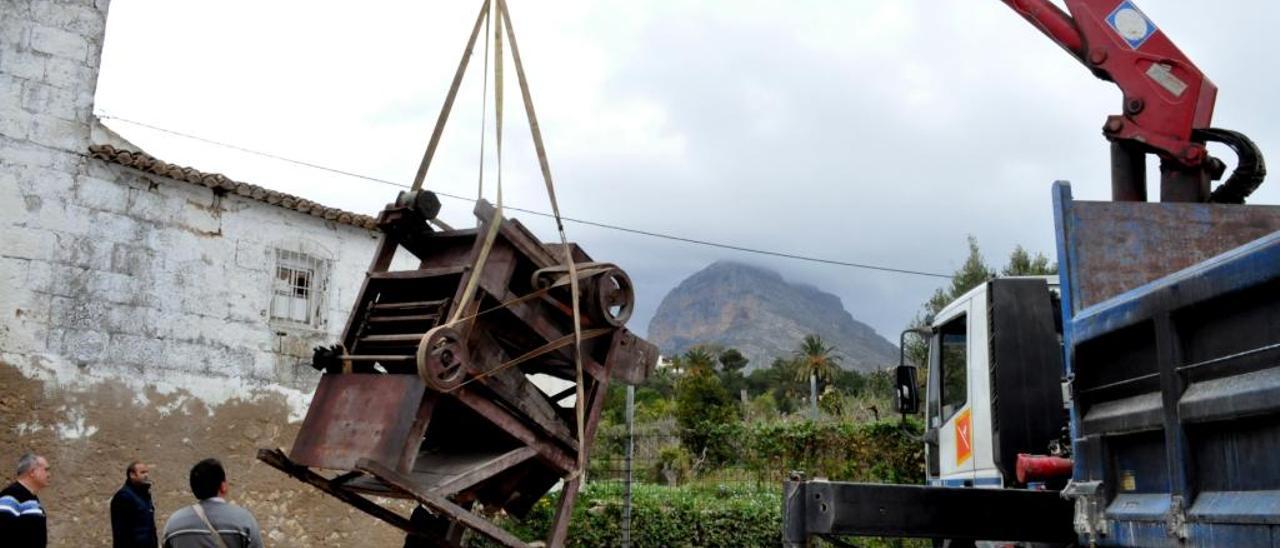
(501, 24)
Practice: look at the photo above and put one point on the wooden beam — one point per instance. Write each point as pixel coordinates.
(440, 504)
(277, 459)
(485, 471)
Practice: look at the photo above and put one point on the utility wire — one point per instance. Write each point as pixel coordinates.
(618, 228)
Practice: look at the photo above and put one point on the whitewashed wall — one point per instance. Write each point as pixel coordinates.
(134, 308)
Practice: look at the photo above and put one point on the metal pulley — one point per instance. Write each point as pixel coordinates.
(442, 358)
(608, 297)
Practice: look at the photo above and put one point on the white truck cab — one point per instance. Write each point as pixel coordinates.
(993, 387)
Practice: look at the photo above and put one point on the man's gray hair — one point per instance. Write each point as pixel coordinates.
(26, 462)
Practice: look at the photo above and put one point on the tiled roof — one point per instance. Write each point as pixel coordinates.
(218, 182)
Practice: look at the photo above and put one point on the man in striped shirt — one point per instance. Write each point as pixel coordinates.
(22, 519)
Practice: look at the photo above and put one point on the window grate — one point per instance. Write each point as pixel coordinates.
(298, 288)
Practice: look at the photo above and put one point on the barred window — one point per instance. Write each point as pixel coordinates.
(298, 289)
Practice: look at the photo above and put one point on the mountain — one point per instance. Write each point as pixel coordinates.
(763, 316)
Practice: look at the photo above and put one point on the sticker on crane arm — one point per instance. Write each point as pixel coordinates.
(1131, 24)
(964, 437)
(1163, 75)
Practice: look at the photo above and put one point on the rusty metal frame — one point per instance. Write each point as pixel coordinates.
(384, 427)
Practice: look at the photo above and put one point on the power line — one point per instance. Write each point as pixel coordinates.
(597, 224)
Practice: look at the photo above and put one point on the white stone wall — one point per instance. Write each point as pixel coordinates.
(111, 272)
(134, 308)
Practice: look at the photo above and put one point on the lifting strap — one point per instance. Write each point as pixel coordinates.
(503, 22)
(580, 402)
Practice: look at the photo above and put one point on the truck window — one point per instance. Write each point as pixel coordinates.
(953, 367)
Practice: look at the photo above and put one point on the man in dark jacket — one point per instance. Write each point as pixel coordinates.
(133, 515)
(22, 519)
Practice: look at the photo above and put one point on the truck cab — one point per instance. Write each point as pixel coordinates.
(993, 382)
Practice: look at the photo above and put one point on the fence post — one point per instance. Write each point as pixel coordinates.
(626, 486)
(813, 396)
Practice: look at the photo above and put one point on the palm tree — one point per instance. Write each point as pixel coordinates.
(815, 360)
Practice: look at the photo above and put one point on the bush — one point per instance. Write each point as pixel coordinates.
(665, 516)
(884, 451)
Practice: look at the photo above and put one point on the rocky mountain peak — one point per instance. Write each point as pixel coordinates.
(764, 316)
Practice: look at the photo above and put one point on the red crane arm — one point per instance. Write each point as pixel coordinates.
(1166, 97)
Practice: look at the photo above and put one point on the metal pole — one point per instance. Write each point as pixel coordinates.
(813, 396)
(626, 486)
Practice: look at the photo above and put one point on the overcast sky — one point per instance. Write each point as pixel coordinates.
(878, 132)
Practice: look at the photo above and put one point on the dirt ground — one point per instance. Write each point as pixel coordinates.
(87, 468)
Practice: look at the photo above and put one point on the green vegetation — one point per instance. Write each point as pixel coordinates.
(714, 443)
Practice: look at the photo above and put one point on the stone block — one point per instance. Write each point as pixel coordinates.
(78, 313)
(150, 205)
(84, 250)
(58, 42)
(84, 346)
(68, 281)
(253, 256)
(84, 20)
(200, 218)
(10, 93)
(115, 227)
(27, 243)
(186, 355)
(116, 288)
(22, 64)
(39, 278)
(67, 135)
(46, 100)
(18, 153)
(16, 124)
(136, 350)
(101, 194)
(15, 30)
(68, 74)
(131, 259)
(41, 181)
(143, 321)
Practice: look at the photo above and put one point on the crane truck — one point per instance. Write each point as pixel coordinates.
(1131, 400)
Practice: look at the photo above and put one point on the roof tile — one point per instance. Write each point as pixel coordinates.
(150, 164)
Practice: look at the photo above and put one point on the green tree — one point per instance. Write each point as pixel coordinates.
(704, 408)
(973, 272)
(731, 360)
(815, 359)
(1022, 263)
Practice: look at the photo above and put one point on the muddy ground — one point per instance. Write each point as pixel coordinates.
(88, 460)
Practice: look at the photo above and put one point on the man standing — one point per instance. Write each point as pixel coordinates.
(211, 521)
(133, 515)
(22, 519)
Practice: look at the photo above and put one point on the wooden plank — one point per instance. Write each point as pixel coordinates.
(515, 390)
(551, 454)
(408, 318)
(381, 260)
(527, 313)
(560, 525)
(418, 274)
(413, 305)
(564, 512)
(277, 459)
(484, 471)
(401, 337)
(518, 235)
(440, 504)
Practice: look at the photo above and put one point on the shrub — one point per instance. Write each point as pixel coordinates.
(665, 516)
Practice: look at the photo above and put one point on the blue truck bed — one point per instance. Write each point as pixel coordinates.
(1171, 337)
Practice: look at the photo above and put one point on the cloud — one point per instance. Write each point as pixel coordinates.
(875, 132)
